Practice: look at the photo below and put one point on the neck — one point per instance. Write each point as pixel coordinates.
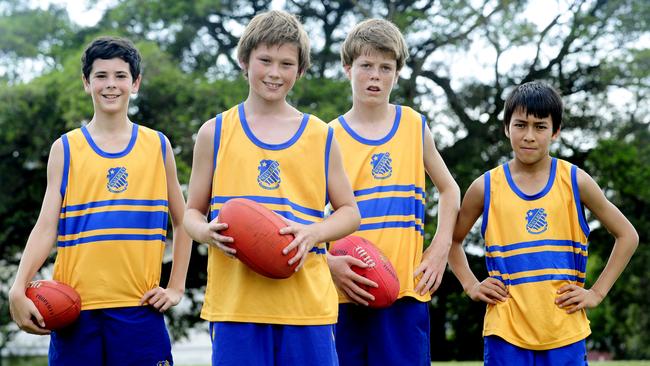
(542, 166)
(260, 106)
(363, 113)
(111, 123)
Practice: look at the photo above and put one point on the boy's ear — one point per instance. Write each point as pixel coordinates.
(86, 84)
(348, 71)
(556, 134)
(505, 129)
(244, 68)
(136, 84)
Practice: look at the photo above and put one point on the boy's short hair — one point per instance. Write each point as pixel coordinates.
(378, 35)
(274, 28)
(108, 47)
(536, 98)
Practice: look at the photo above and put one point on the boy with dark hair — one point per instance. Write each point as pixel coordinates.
(111, 187)
(387, 150)
(535, 233)
(266, 150)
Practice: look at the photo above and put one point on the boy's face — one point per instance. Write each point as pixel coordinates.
(110, 85)
(530, 136)
(373, 75)
(272, 70)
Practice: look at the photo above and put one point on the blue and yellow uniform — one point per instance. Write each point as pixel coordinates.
(111, 236)
(388, 179)
(291, 179)
(535, 244)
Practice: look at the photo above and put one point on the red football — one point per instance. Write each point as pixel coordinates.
(255, 230)
(58, 303)
(379, 269)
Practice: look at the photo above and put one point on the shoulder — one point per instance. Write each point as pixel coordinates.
(411, 114)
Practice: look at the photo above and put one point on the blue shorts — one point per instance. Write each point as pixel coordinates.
(397, 335)
(252, 344)
(116, 336)
(498, 352)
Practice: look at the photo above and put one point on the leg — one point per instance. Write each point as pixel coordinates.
(574, 354)
(136, 336)
(305, 345)
(399, 335)
(241, 344)
(350, 331)
(78, 344)
(498, 352)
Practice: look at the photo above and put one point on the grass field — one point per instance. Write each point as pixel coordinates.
(41, 361)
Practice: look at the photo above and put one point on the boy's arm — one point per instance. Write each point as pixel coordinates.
(199, 192)
(38, 247)
(491, 289)
(626, 241)
(343, 221)
(434, 259)
(159, 298)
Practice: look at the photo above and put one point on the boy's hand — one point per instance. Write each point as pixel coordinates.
(305, 237)
(348, 280)
(574, 298)
(490, 291)
(162, 298)
(211, 236)
(432, 268)
(24, 313)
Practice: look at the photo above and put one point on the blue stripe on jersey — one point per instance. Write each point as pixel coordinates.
(536, 243)
(328, 147)
(540, 278)
(391, 224)
(122, 202)
(286, 214)
(274, 201)
(111, 237)
(391, 188)
(113, 220)
(66, 165)
(537, 261)
(391, 206)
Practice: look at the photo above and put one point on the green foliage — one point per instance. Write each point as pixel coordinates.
(190, 74)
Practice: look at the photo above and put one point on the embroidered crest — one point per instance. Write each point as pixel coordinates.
(117, 179)
(381, 165)
(536, 221)
(269, 174)
(163, 363)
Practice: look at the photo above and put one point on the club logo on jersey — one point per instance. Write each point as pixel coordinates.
(269, 176)
(163, 363)
(117, 179)
(536, 221)
(381, 165)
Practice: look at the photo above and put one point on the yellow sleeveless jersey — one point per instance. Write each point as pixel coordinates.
(535, 244)
(387, 176)
(113, 220)
(290, 179)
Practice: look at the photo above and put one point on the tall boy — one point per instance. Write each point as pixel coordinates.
(535, 233)
(386, 151)
(266, 150)
(110, 188)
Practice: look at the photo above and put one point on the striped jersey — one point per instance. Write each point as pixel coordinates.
(291, 179)
(113, 221)
(535, 244)
(388, 179)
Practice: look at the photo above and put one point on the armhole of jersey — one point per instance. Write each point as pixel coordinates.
(163, 147)
(486, 202)
(66, 165)
(217, 139)
(576, 197)
(328, 148)
(424, 124)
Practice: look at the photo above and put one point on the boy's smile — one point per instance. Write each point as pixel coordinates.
(272, 71)
(110, 84)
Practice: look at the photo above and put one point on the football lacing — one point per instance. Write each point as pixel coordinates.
(365, 256)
